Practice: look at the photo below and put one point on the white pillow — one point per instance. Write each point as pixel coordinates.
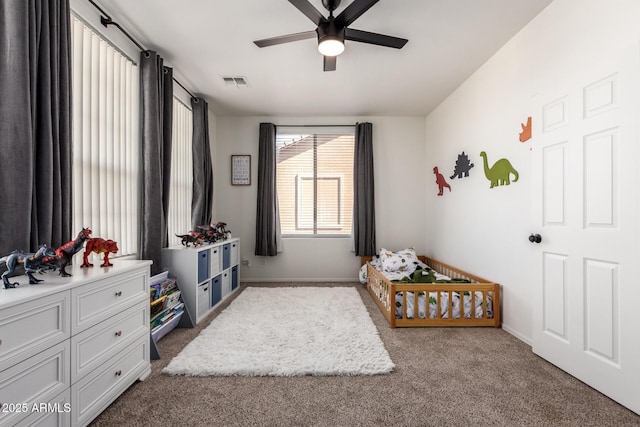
(404, 260)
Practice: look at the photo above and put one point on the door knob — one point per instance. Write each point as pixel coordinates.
(535, 238)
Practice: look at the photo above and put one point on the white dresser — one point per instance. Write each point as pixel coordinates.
(70, 346)
(206, 274)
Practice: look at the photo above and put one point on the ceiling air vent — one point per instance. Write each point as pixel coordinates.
(236, 81)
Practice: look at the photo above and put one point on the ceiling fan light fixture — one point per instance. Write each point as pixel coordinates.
(331, 46)
(330, 39)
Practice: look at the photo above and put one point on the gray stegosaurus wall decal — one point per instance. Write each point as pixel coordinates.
(463, 166)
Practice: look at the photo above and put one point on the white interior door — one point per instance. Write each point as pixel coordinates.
(586, 315)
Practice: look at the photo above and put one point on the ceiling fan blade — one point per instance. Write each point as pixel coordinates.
(309, 11)
(286, 39)
(329, 63)
(374, 38)
(354, 11)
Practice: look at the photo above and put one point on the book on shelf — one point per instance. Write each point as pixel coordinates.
(162, 288)
(157, 306)
(162, 318)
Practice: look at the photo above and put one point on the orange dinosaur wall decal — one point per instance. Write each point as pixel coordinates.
(525, 135)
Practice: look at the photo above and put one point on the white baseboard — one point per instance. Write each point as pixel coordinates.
(518, 335)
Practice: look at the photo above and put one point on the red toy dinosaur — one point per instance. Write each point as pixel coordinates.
(99, 246)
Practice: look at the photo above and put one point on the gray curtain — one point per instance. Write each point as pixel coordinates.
(364, 218)
(201, 204)
(267, 219)
(157, 107)
(35, 124)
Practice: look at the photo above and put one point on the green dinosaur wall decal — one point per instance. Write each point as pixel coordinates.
(500, 172)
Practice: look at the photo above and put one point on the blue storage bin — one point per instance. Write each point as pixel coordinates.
(216, 290)
(234, 277)
(203, 265)
(226, 256)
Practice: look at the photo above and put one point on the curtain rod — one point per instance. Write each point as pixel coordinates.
(316, 126)
(106, 20)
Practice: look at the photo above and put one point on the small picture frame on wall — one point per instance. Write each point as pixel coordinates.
(240, 169)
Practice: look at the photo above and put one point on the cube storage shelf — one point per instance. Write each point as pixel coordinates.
(206, 275)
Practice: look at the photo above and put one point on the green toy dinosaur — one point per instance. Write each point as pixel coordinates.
(500, 172)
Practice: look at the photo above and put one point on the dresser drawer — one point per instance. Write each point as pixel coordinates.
(93, 393)
(95, 346)
(30, 327)
(56, 413)
(38, 379)
(95, 302)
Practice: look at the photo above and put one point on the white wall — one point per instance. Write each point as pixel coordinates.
(400, 211)
(485, 230)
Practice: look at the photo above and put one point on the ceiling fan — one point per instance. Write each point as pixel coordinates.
(333, 31)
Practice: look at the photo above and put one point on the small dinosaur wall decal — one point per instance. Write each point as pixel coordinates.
(525, 135)
(500, 172)
(463, 165)
(440, 181)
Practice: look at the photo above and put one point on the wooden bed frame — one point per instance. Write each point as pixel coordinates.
(384, 291)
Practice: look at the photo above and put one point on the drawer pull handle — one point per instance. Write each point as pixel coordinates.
(119, 293)
(118, 373)
(118, 333)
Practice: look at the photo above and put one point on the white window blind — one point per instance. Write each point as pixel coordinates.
(106, 140)
(315, 182)
(181, 191)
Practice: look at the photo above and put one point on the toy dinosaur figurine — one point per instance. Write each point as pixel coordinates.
(99, 246)
(500, 172)
(214, 232)
(221, 228)
(32, 263)
(440, 181)
(65, 252)
(193, 237)
(209, 233)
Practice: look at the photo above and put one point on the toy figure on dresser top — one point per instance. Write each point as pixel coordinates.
(32, 263)
(99, 246)
(65, 252)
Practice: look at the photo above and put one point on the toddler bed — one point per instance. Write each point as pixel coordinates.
(403, 297)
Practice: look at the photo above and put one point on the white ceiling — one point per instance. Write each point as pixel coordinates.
(205, 40)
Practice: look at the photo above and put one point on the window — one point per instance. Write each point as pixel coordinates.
(181, 191)
(106, 139)
(106, 144)
(315, 181)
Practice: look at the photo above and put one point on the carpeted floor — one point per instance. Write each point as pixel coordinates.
(443, 377)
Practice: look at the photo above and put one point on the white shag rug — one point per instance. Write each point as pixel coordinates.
(287, 332)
